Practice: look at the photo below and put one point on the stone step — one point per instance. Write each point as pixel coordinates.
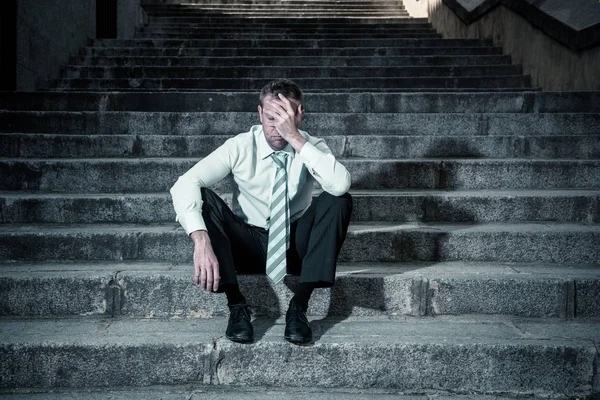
(460, 103)
(313, 6)
(275, 52)
(143, 289)
(254, 72)
(342, 124)
(177, 3)
(232, 19)
(317, 32)
(289, 36)
(284, 27)
(300, 43)
(487, 83)
(366, 242)
(135, 175)
(288, 12)
(220, 392)
(322, 61)
(324, 11)
(540, 147)
(479, 206)
(459, 354)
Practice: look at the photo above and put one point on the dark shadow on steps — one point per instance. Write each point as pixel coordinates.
(265, 305)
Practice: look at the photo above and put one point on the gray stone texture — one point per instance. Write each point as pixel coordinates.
(159, 290)
(383, 242)
(491, 356)
(392, 205)
(470, 268)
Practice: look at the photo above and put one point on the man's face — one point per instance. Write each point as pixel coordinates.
(274, 139)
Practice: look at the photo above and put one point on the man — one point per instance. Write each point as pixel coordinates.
(275, 226)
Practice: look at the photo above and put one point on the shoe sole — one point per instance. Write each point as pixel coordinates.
(297, 340)
(240, 339)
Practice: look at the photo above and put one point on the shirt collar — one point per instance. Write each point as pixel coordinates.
(264, 150)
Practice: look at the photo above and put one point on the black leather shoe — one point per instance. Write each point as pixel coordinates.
(239, 327)
(297, 328)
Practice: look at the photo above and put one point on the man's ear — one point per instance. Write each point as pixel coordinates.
(260, 113)
(299, 114)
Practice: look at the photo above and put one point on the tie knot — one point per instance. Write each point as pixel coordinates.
(280, 158)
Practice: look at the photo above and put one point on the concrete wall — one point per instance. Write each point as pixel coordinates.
(50, 31)
(130, 16)
(552, 65)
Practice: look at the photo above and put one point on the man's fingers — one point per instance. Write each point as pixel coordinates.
(216, 278)
(209, 279)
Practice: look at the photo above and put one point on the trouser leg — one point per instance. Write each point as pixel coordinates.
(239, 247)
(317, 238)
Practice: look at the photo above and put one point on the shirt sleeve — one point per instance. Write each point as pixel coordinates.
(322, 165)
(186, 193)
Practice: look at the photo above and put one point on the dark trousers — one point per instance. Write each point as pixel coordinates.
(315, 239)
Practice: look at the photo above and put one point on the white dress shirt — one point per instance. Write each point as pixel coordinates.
(247, 157)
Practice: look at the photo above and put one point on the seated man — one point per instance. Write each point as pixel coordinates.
(275, 226)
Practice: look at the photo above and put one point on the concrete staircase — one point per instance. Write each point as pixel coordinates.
(472, 265)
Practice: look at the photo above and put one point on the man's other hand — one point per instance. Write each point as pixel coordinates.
(206, 265)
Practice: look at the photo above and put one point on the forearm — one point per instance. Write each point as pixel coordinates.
(330, 173)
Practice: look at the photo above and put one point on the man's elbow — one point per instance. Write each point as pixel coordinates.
(340, 188)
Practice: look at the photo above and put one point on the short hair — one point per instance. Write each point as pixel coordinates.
(286, 87)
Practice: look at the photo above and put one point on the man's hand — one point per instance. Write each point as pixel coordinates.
(286, 118)
(206, 265)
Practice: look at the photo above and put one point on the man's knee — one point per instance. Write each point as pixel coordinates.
(342, 203)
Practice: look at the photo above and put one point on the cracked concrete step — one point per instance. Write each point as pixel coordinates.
(480, 206)
(511, 82)
(366, 242)
(454, 124)
(461, 103)
(287, 52)
(136, 289)
(409, 354)
(300, 43)
(131, 175)
(220, 392)
(248, 73)
(320, 61)
(30, 145)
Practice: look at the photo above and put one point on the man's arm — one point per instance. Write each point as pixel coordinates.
(333, 177)
(186, 194)
(187, 201)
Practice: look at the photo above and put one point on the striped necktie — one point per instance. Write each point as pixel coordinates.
(279, 231)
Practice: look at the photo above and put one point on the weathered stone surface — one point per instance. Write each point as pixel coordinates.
(384, 242)
(462, 355)
(131, 175)
(318, 124)
(587, 298)
(88, 353)
(399, 206)
(390, 352)
(367, 146)
(45, 293)
(150, 289)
